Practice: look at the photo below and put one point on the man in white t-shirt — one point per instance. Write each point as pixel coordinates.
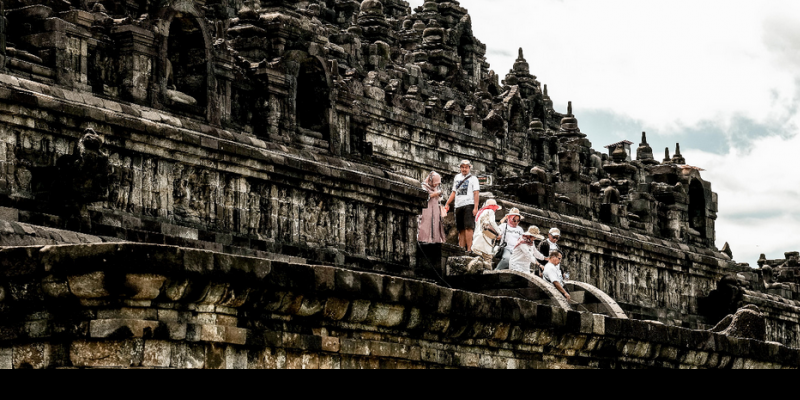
(552, 273)
(466, 194)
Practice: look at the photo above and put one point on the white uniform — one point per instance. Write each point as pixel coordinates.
(523, 256)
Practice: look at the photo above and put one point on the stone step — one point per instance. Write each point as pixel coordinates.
(578, 297)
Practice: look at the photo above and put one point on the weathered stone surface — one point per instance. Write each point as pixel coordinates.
(747, 323)
(466, 266)
(100, 354)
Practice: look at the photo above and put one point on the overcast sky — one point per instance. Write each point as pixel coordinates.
(720, 77)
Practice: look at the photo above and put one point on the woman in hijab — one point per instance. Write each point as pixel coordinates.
(431, 230)
(486, 230)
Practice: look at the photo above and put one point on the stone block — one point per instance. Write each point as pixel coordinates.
(32, 356)
(331, 344)
(336, 309)
(216, 334)
(179, 231)
(157, 353)
(354, 347)
(235, 358)
(129, 313)
(393, 289)
(6, 358)
(325, 279)
(385, 315)
(371, 286)
(215, 356)
(89, 286)
(175, 331)
(122, 328)
(37, 329)
(105, 354)
(599, 324)
(330, 362)
(302, 342)
(614, 326)
(168, 315)
(9, 214)
(359, 311)
(187, 356)
(348, 281)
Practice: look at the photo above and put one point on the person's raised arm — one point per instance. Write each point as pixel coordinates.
(561, 289)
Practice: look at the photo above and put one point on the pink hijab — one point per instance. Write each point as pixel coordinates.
(432, 182)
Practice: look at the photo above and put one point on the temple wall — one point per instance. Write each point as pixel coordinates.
(174, 177)
(63, 307)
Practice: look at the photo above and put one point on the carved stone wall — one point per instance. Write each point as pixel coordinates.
(186, 184)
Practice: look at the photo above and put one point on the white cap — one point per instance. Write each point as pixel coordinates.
(465, 162)
(555, 232)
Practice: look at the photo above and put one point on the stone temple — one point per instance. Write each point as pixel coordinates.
(236, 184)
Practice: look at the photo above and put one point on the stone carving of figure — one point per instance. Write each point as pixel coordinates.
(254, 206)
(265, 225)
(284, 214)
(227, 218)
(207, 194)
(147, 186)
(172, 92)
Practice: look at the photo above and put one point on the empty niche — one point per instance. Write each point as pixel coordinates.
(313, 99)
(697, 207)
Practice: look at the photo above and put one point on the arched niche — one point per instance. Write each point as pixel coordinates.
(697, 207)
(493, 90)
(185, 59)
(312, 97)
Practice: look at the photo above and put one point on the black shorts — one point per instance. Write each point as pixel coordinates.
(464, 218)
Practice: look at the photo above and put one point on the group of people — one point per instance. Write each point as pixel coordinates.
(478, 231)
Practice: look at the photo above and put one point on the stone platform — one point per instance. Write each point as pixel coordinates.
(121, 305)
